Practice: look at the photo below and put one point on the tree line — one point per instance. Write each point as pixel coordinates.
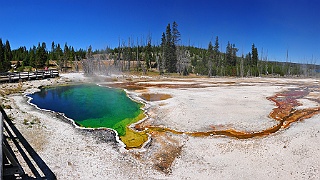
(171, 57)
(168, 57)
(37, 56)
(5, 56)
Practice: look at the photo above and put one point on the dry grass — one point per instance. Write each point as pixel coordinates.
(6, 106)
(7, 89)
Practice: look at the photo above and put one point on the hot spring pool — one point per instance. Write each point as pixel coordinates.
(90, 105)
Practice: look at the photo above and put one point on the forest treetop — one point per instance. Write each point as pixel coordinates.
(168, 57)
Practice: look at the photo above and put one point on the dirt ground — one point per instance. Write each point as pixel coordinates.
(177, 109)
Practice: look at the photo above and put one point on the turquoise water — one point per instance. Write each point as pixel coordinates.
(90, 105)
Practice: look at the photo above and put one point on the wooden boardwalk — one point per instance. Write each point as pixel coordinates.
(27, 76)
(13, 144)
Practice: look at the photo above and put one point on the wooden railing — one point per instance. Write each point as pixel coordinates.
(13, 143)
(1, 141)
(26, 76)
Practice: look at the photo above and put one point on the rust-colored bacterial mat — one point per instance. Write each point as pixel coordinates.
(285, 114)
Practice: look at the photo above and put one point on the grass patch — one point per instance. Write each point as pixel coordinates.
(32, 122)
(11, 89)
(6, 106)
(25, 122)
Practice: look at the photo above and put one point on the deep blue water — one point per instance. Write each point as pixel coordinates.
(89, 105)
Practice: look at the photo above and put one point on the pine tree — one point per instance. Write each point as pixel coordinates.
(254, 60)
(7, 56)
(37, 57)
(66, 52)
(175, 33)
(59, 52)
(25, 60)
(44, 55)
(210, 59)
(234, 54)
(254, 55)
(216, 53)
(71, 53)
(41, 55)
(247, 63)
(163, 48)
(170, 50)
(21, 56)
(32, 56)
(2, 68)
(229, 54)
(148, 55)
(177, 49)
(53, 51)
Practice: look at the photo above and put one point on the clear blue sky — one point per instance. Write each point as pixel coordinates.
(273, 25)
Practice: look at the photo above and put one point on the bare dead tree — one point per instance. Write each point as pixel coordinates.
(241, 66)
(132, 52)
(126, 56)
(138, 60)
(288, 64)
(179, 56)
(158, 62)
(87, 63)
(76, 64)
(162, 64)
(266, 65)
(117, 60)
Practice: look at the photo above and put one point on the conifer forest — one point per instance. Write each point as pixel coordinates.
(142, 55)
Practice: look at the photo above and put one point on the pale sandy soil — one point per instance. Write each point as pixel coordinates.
(293, 153)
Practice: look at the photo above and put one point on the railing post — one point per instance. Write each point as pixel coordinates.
(1, 154)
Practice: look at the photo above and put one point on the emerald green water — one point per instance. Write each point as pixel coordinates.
(90, 105)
